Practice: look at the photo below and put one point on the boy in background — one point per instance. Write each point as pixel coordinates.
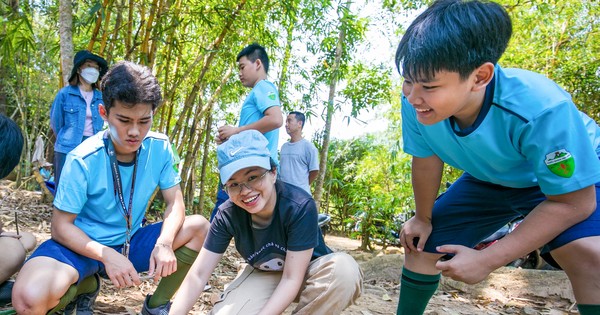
(524, 147)
(261, 110)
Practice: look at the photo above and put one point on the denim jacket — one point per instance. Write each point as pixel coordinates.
(67, 117)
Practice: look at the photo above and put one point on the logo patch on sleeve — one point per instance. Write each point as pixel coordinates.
(272, 96)
(560, 163)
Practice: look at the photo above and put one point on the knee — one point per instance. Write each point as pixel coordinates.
(347, 271)
(26, 299)
(197, 224)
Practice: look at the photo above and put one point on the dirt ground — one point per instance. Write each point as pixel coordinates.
(506, 291)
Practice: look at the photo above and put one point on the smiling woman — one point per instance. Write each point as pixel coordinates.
(274, 225)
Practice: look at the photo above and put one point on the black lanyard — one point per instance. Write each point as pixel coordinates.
(118, 188)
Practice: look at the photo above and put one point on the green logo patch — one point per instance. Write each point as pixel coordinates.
(560, 163)
(272, 96)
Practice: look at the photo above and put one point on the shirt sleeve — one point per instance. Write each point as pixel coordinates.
(56, 112)
(169, 177)
(266, 95)
(71, 194)
(558, 146)
(303, 227)
(414, 143)
(314, 157)
(219, 236)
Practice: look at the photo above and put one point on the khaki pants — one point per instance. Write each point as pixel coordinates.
(332, 283)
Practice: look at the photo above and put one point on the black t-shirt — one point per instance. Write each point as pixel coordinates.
(294, 227)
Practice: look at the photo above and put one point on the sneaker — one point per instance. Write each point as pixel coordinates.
(159, 310)
(83, 304)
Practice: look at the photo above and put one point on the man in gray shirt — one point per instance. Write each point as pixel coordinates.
(299, 158)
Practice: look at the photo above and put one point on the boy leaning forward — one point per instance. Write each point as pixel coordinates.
(526, 150)
(100, 206)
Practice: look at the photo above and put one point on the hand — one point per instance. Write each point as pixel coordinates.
(162, 261)
(227, 131)
(415, 229)
(120, 270)
(9, 234)
(465, 266)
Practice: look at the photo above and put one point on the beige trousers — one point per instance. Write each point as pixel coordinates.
(332, 283)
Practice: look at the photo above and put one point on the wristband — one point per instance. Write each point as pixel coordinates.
(162, 245)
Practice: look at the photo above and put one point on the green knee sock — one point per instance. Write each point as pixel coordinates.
(88, 285)
(169, 285)
(589, 309)
(415, 291)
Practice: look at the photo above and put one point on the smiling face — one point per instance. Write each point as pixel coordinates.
(127, 126)
(253, 193)
(446, 95)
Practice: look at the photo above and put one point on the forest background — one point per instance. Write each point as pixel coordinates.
(331, 58)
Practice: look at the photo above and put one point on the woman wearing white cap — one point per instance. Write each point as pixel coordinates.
(274, 225)
(74, 114)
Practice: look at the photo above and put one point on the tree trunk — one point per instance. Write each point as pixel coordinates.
(330, 110)
(65, 29)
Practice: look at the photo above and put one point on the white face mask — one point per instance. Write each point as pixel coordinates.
(90, 75)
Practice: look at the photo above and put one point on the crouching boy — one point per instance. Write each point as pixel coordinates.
(100, 204)
(274, 225)
(526, 150)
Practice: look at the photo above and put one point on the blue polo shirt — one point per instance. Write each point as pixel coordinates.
(528, 132)
(263, 96)
(87, 188)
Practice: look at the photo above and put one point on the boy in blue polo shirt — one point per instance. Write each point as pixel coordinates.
(97, 222)
(524, 147)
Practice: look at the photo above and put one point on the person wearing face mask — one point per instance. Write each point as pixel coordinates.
(74, 114)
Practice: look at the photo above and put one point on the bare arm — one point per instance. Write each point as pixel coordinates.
(119, 269)
(162, 260)
(273, 119)
(555, 215)
(312, 175)
(194, 281)
(294, 270)
(426, 178)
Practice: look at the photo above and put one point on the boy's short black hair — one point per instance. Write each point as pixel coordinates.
(255, 51)
(299, 117)
(131, 84)
(11, 145)
(455, 36)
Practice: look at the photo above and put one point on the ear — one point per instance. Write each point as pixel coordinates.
(483, 76)
(258, 64)
(103, 112)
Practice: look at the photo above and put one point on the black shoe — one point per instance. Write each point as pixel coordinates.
(159, 310)
(83, 304)
(6, 292)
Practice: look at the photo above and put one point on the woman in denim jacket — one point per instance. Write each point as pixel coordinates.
(74, 114)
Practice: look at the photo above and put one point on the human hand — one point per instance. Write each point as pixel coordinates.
(413, 230)
(227, 131)
(466, 265)
(162, 261)
(120, 270)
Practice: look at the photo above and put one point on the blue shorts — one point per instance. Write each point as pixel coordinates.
(471, 210)
(142, 244)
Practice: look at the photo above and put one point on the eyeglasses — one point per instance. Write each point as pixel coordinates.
(252, 183)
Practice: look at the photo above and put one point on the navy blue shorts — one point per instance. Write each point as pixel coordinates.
(471, 210)
(142, 244)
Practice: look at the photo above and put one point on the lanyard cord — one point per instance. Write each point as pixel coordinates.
(118, 187)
